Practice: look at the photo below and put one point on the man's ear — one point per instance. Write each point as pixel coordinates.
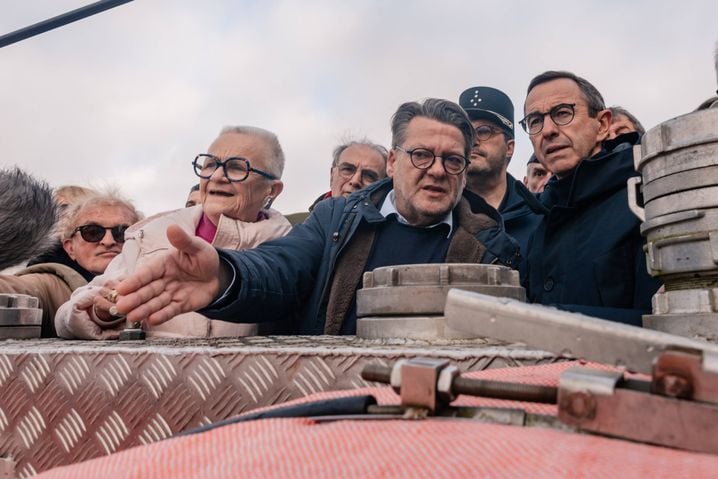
(391, 159)
(604, 123)
(510, 144)
(69, 248)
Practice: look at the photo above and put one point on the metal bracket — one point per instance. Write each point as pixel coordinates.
(635, 197)
(686, 375)
(677, 408)
(423, 383)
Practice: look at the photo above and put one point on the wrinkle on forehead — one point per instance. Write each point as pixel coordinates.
(104, 215)
(363, 156)
(425, 132)
(553, 92)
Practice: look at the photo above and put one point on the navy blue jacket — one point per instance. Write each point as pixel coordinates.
(521, 211)
(293, 274)
(587, 254)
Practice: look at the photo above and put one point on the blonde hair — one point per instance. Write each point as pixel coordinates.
(67, 195)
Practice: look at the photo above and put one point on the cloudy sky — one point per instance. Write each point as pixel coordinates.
(129, 96)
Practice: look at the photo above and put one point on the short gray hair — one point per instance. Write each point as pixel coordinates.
(591, 94)
(619, 110)
(275, 164)
(383, 152)
(443, 111)
(108, 199)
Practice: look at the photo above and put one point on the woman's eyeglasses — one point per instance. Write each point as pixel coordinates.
(235, 169)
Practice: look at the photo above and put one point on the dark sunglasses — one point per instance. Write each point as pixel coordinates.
(93, 233)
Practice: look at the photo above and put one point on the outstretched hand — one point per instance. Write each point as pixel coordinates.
(184, 278)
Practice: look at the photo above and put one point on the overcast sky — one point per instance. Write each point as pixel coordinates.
(129, 97)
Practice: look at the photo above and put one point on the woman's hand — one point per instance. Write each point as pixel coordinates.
(104, 300)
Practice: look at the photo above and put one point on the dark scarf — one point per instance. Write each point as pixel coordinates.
(57, 254)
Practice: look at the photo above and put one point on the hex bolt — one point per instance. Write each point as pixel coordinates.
(675, 386)
(580, 405)
(133, 332)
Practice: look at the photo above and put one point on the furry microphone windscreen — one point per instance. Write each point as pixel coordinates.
(27, 217)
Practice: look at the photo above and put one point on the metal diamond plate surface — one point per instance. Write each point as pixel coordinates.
(67, 401)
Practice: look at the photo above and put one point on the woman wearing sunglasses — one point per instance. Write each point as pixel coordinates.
(239, 179)
(92, 235)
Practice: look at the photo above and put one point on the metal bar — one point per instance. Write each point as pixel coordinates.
(59, 21)
(505, 390)
(562, 332)
(477, 387)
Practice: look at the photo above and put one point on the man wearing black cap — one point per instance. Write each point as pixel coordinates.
(492, 115)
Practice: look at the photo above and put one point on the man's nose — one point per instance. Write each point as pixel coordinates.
(356, 178)
(108, 239)
(437, 169)
(549, 127)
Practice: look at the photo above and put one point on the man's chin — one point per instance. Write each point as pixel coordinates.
(434, 214)
(482, 173)
(562, 166)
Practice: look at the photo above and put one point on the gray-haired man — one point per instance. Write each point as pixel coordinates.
(355, 165)
(622, 122)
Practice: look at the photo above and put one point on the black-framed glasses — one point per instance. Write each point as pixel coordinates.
(93, 233)
(348, 170)
(561, 114)
(235, 169)
(423, 159)
(485, 132)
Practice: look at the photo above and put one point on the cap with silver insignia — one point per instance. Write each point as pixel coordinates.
(486, 103)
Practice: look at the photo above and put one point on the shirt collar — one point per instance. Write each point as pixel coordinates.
(388, 207)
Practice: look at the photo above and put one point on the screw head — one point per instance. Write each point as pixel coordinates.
(675, 386)
(580, 405)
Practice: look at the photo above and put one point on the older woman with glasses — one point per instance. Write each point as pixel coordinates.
(239, 179)
(92, 235)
